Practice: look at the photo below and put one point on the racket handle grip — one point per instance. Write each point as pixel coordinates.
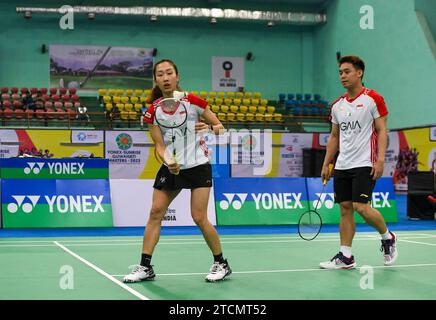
(330, 172)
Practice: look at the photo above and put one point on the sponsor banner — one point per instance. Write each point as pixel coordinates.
(40, 168)
(91, 67)
(228, 73)
(132, 200)
(131, 155)
(383, 199)
(87, 136)
(291, 153)
(259, 201)
(56, 203)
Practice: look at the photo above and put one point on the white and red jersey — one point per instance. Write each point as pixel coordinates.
(191, 148)
(357, 134)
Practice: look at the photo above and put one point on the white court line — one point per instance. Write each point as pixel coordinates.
(199, 241)
(111, 278)
(293, 270)
(200, 238)
(417, 242)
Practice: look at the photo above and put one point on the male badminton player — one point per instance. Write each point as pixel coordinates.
(359, 133)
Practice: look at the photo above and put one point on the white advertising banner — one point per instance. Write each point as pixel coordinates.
(9, 143)
(291, 153)
(132, 199)
(128, 153)
(227, 73)
(87, 136)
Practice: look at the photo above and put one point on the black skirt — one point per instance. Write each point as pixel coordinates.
(196, 177)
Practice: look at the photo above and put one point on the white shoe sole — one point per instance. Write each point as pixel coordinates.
(351, 266)
(217, 280)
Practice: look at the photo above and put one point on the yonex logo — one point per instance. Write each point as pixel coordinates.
(236, 204)
(266, 201)
(326, 199)
(59, 203)
(34, 167)
(26, 207)
(380, 200)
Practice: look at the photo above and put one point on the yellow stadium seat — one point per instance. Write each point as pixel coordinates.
(278, 117)
(124, 115)
(129, 92)
(270, 109)
(225, 108)
(222, 116)
(120, 107)
(231, 116)
(220, 94)
(117, 99)
(119, 92)
(239, 95)
(109, 106)
(128, 107)
(215, 108)
(246, 102)
(133, 115)
(101, 92)
(230, 95)
(256, 95)
(227, 101)
(134, 100)
(240, 117)
(124, 100)
(210, 100)
(263, 102)
(248, 95)
(203, 94)
(138, 92)
(268, 116)
(137, 107)
(195, 93)
(143, 99)
(212, 94)
(107, 99)
(259, 117)
(111, 92)
(234, 109)
(255, 102)
(252, 109)
(219, 101)
(243, 109)
(237, 102)
(249, 117)
(261, 109)
(147, 92)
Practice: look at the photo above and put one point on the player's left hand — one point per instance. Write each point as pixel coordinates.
(377, 169)
(201, 127)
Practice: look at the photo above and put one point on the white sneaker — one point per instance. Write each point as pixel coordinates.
(139, 273)
(389, 249)
(218, 271)
(339, 261)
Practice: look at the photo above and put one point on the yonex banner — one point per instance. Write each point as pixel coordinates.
(259, 201)
(56, 203)
(383, 199)
(276, 201)
(39, 168)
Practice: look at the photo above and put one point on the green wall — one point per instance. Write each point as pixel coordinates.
(278, 64)
(399, 62)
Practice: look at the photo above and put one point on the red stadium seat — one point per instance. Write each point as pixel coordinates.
(33, 90)
(53, 91)
(46, 97)
(5, 96)
(75, 98)
(43, 91)
(60, 113)
(16, 96)
(65, 98)
(40, 113)
(4, 90)
(14, 90)
(63, 91)
(55, 97)
(72, 91)
(24, 91)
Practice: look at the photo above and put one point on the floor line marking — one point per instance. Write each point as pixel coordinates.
(110, 277)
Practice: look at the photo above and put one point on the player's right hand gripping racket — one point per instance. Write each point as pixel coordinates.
(310, 223)
(171, 114)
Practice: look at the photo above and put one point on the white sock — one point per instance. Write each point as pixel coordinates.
(386, 236)
(346, 251)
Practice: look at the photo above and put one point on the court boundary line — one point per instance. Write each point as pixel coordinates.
(102, 272)
(298, 270)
